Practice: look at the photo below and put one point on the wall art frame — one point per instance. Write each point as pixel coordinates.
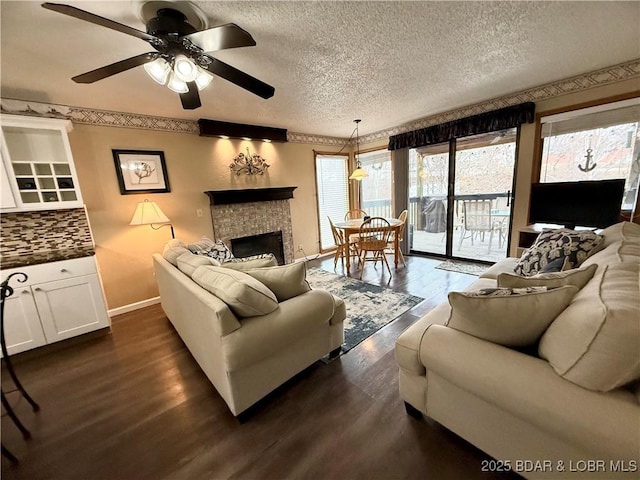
(141, 171)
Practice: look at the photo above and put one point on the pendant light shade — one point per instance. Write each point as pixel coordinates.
(359, 173)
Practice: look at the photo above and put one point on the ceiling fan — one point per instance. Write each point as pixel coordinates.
(181, 59)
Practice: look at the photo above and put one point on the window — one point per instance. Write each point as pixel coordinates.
(332, 183)
(376, 189)
(595, 143)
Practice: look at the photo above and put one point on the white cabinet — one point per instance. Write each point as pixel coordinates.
(38, 164)
(58, 301)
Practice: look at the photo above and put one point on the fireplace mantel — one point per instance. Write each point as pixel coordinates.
(226, 197)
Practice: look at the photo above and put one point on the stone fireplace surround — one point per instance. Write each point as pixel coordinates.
(246, 212)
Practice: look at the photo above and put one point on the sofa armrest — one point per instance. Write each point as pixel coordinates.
(529, 388)
(407, 348)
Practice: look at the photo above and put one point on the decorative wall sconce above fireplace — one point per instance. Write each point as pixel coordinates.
(249, 164)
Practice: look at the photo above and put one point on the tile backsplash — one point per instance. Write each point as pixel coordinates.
(40, 231)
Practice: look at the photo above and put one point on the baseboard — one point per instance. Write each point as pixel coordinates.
(133, 306)
(312, 257)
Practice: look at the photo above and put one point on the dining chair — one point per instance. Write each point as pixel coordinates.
(355, 213)
(352, 215)
(374, 236)
(343, 247)
(400, 232)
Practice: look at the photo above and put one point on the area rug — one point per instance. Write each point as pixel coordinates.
(369, 307)
(463, 267)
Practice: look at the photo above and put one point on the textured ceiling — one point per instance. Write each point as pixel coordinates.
(387, 63)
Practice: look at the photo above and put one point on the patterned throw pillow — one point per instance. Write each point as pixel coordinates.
(214, 249)
(573, 247)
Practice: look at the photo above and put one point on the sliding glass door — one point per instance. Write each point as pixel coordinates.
(461, 195)
(428, 187)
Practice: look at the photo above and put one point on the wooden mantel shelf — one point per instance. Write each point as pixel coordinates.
(226, 197)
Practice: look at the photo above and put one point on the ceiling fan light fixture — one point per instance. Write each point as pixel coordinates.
(159, 70)
(203, 79)
(185, 69)
(176, 84)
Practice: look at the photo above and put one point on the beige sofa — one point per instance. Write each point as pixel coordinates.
(570, 405)
(246, 345)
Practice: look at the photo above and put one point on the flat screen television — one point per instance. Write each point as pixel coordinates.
(577, 204)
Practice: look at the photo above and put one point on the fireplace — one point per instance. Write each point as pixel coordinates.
(253, 212)
(263, 243)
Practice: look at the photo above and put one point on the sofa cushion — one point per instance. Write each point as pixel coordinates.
(574, 246)
(286, 281)
(188, 262)
(214, 249)
(622, 245)
(578, 277)
(594, 342)
(172, 250)
(498, 314)
(621, 231)
(255, 261)
(245, 296)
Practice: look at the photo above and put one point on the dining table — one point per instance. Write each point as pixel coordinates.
(351, 227)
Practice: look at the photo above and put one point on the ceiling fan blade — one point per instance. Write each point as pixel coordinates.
(244, 80)
(222, 37)
(118, 67)
(105, 22)
(191, 99)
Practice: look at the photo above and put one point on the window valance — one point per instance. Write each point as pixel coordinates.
(500, 119)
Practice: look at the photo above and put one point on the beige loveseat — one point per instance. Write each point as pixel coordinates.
(248, 338)
(567, 405)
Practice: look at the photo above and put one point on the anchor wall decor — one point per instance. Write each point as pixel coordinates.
(588, 165)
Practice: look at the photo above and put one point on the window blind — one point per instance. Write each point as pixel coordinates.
(601, 116)
(332, 180)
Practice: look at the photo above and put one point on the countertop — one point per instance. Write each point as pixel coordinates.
(15, 261)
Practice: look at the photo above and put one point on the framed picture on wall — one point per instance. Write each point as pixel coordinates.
(141, 171)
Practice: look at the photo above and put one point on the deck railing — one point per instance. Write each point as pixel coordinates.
(382, 208)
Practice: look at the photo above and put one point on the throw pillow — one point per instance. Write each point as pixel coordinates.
(245, 296)
(214, 249)
(578, 277)
(286, 281)
(594, 342)
(248, 263)
(572, 246)
(509, 317)
(188, 262)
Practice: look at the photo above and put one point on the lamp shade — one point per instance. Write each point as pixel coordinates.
(358, 174)
(147, 213)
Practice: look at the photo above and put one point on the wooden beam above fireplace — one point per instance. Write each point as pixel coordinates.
(226, 197)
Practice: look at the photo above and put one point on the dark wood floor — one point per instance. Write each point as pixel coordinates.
(133, 404)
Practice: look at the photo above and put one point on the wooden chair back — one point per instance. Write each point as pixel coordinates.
(355, 213)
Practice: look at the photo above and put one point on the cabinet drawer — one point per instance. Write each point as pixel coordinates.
(53, 271)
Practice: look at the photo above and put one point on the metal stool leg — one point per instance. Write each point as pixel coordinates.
(25, 433)
(9, 455)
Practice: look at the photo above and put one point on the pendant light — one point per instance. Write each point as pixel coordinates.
(358, 173)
